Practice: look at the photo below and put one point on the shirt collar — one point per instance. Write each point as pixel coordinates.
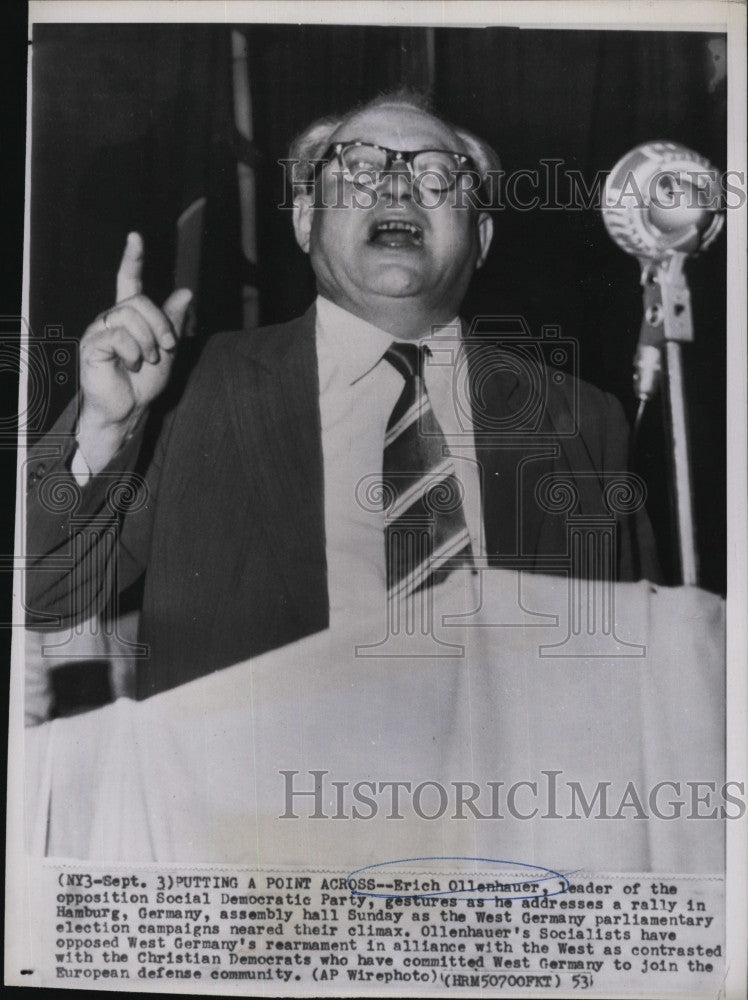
(354, 345)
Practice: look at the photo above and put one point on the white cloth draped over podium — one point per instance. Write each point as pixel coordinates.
(194, 774)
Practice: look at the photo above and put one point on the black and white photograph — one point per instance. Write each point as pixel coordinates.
(380, 534)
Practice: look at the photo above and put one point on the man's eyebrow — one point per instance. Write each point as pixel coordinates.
(403, 149)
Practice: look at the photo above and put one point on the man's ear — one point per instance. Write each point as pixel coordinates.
(303, 210)
(485, 235)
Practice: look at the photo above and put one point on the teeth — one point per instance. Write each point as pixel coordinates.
(403, 227)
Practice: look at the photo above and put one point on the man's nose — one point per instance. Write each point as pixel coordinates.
(398, 181)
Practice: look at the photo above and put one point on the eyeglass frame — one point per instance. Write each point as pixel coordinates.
(396, 156)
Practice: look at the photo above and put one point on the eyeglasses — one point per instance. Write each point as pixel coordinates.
(368, 163)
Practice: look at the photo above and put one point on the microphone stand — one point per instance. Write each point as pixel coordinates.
(667, 314)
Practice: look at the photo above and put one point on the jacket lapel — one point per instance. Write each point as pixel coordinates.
(276, 408)
(514, 456)
(510, 462)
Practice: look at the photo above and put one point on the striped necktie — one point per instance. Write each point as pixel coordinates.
(425, 530)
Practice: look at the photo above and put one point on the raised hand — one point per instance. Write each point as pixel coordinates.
(126, 356)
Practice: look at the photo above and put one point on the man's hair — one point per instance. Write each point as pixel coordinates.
(309, 146)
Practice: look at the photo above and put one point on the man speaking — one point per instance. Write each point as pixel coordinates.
(290, 475)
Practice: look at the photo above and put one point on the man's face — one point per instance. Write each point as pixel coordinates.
(379, 252)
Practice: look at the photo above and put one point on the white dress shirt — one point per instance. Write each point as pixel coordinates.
(358, 391)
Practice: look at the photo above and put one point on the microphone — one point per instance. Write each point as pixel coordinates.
(662, 203)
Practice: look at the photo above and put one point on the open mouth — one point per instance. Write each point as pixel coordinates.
(396, 234)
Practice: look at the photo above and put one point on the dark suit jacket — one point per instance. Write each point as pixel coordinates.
(230, 534)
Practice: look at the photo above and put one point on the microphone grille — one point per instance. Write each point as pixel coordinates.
(662, 198)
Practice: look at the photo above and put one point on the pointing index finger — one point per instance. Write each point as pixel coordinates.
(130, 269)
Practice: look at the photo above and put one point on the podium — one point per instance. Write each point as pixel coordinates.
(500, 751)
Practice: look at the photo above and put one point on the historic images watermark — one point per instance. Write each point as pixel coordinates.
(551, 795)
(551, 186)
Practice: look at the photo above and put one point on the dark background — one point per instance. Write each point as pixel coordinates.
(132, 122)
(13, 128)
